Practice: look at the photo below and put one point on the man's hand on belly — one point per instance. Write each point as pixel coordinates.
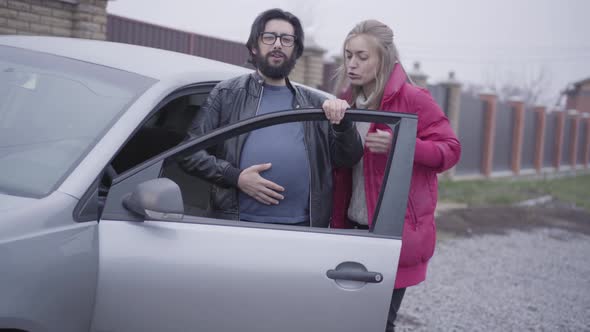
(257, 187)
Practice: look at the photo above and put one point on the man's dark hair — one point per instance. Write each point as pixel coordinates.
(260, 23)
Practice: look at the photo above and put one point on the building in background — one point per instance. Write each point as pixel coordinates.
(578, 96)
(65, 18)
(309, 68)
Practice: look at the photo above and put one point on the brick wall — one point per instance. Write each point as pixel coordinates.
(583, 100)
(309, 69)
(65, 18)
(578, 97)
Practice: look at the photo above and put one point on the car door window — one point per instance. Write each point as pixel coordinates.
(163, 130)
(196, 191)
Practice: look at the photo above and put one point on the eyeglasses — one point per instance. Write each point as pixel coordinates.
(269, 38)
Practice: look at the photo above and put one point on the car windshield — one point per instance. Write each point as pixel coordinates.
(52, 112)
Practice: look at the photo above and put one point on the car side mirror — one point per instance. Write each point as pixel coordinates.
(156, 199)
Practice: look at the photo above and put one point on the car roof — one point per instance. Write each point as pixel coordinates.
(146, 61)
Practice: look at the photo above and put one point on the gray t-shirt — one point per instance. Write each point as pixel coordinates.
(284, 146)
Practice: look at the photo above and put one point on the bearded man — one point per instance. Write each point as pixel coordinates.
(280, 174)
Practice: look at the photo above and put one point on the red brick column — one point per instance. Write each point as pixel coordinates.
(559, 139)
(539, 137)
(517, 134)
(489, 101)
(586, 121)
(575, 118)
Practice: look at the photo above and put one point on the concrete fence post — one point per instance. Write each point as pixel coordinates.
(453, 102)
(453, 107)
(418, 76)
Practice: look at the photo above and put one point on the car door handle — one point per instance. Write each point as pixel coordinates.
(364, 276)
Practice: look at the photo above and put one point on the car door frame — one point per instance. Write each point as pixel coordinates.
(84, 210)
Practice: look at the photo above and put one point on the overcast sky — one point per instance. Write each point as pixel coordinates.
(482, 41)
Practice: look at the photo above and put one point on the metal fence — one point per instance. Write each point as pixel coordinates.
(471, 130)
(584, 131)
(549, 151)
(566, 150)
(439, 93)
(125, 30)
(529, 140)
(222, 50)
(503, 138)
(472, 114)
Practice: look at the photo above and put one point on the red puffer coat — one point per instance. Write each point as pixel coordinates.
(437, 149)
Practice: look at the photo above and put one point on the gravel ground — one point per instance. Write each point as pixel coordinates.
(507, 269)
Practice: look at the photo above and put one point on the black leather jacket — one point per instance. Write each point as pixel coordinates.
(237, 99)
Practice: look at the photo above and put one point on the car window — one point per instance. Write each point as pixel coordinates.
(197, 192)
(52, 111)
(202, 197)
(165, 129)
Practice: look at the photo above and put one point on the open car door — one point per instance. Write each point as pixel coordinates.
(165, 268)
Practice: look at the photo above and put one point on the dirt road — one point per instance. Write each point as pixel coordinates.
(505, 269)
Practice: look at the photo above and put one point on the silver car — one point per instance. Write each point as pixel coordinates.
(101, 230)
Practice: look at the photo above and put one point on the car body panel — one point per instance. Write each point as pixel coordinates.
(49, 266)
(165, 276)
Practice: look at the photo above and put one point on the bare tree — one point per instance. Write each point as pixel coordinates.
(532, 86)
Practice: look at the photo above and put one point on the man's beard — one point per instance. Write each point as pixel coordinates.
(274, 72)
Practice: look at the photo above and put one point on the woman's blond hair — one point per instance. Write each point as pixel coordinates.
(382, 37)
